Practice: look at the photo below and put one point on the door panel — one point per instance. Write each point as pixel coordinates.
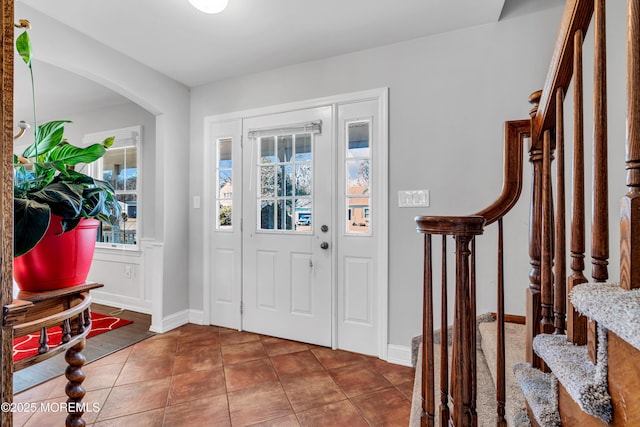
(224, 218)
(287, 284)
(360, 233)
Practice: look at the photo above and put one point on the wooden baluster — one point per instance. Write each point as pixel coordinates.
(66, 331)
(444, 342)
(533, 295)
(560, 247)
(630, 212)
(428, 374)
(546, 323)
(463, 407)
(577, 324)
(80, 323)
(501, 394)
(44, 340)
(600, 229)
(74, 389)
(87, 317)
(473, 329)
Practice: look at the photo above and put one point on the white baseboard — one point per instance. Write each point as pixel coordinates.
(399, 355)
(119, 301)
(170, 322)
(196, 317)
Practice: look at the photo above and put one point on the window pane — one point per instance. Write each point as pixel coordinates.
(303, 148)
(358, 214)
(285, 171)
(267, 150)
(285, 180)
(124, 232)
(224, 184)
(285, 148)
(119, 167)
(358, 139)
(358, 176)
(267, 181)
(285, 215)
(225, 159)
(304, 176)
(303, 214)
(130, 177)
(224, 214)
(267, 215)
(224, 194)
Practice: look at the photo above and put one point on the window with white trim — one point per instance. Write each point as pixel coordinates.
(120, 166)
(224, 194)
(358, 171)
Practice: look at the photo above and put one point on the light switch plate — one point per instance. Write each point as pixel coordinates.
(413, 198)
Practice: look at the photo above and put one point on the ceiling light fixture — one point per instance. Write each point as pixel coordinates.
(210, 6)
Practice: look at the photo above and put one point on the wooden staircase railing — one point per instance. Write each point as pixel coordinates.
(462, 386)
(547, 307)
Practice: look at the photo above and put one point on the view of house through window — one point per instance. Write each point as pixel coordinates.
(120, 167)
(358, 185)
(224, 195)
(285, 178)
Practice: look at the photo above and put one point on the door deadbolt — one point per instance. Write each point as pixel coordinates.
(324, 228)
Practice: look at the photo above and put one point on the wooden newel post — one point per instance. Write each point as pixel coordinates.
(463, 327)
(463, 375)
(630, 206)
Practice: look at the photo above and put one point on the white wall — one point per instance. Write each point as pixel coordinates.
(108, 267)
(168, 100)
(449, 97)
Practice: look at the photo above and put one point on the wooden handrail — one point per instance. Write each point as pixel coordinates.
(577, 16)
(515, 132)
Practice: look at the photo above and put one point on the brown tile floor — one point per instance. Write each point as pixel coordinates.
(209, 376)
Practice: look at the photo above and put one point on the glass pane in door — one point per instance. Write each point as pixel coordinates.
(285, 173)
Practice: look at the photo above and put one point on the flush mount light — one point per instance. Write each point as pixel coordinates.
(209, 6)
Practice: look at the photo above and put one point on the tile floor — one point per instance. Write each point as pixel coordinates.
(210, 376)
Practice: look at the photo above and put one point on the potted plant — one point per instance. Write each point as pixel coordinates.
(55, 204)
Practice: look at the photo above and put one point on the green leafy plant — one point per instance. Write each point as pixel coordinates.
(46, 183)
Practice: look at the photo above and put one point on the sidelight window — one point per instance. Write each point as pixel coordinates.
(358, 172)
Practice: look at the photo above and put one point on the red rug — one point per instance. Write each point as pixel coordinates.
(28, 345)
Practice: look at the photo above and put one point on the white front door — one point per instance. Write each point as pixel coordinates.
(287, 225)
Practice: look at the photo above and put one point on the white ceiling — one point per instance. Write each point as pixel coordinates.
(194, 48)
(255, 35)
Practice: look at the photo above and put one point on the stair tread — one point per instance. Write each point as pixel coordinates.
(615, 308)
(541, 391)
(514, 353)
(585, 382)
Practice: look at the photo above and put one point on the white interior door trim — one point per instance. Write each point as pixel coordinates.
(381, 162)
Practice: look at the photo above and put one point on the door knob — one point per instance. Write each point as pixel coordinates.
(324, 245)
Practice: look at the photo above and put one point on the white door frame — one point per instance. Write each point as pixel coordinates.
(382, 216)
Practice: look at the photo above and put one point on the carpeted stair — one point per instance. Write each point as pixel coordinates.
(585, 382)
(616, 309)
(515, 340)
(486, 403)
(541, 391)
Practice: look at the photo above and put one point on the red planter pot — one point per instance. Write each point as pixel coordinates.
(58, 260)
